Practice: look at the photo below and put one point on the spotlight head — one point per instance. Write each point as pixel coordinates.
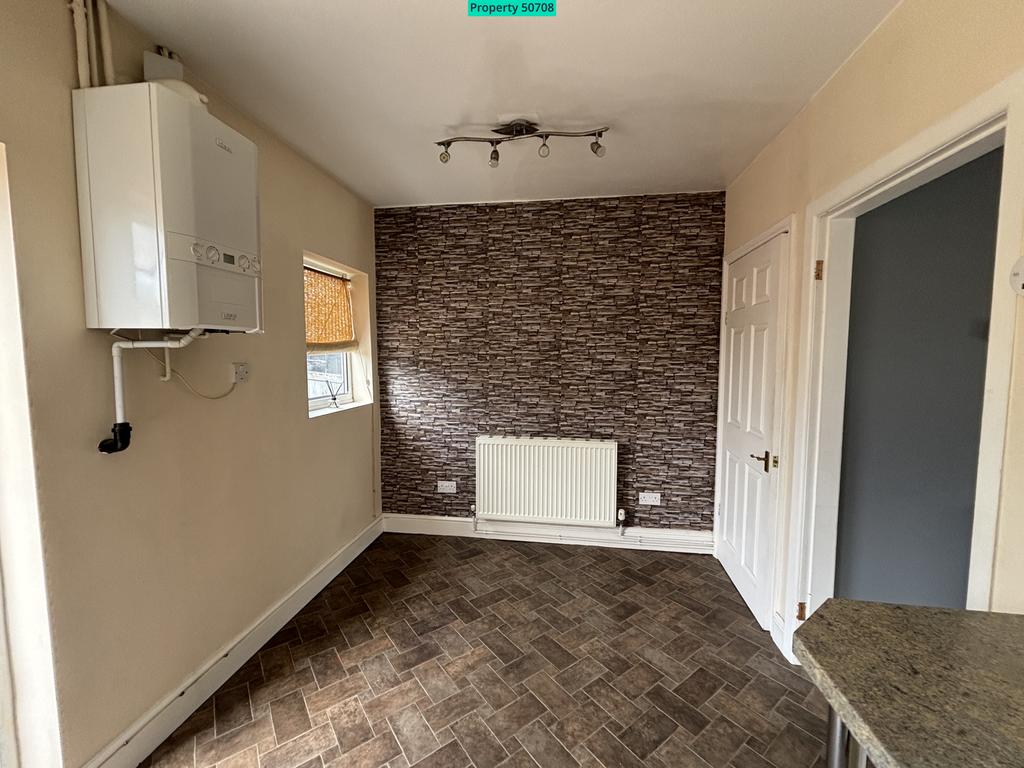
(598, 148)
(493, 162)
(444, 157)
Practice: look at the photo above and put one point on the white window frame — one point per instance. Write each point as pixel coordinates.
(327, 402)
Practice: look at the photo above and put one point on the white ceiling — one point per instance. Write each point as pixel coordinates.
(692, 89)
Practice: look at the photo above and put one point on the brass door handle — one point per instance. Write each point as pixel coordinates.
(766, 459)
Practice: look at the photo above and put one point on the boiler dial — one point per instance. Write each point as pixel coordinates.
(243, 261)
(212, 254)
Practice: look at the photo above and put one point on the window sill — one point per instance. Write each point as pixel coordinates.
(339, 409)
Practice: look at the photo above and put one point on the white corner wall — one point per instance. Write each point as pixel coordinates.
(158, 557)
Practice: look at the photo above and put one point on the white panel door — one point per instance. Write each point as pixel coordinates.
(746, 524)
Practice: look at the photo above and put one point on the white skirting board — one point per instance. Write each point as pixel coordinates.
(133, 745)
(660, 539)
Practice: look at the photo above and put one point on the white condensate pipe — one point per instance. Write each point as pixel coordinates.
(81, 42)
(103, 18)
(122, 431)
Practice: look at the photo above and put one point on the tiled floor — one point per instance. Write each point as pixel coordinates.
(446, 653)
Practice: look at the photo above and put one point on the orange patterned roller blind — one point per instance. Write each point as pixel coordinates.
(328, 311)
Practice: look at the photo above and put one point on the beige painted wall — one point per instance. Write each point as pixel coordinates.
(157, 557)
(928, 58)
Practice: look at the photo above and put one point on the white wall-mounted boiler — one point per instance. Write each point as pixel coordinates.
(168, 210)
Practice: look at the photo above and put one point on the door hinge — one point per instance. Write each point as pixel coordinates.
(801, 611)
(819, 269)
(775, 462)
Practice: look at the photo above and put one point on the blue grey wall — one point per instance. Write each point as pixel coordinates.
(922, 284)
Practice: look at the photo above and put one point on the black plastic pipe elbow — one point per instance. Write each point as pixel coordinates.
(122, 438)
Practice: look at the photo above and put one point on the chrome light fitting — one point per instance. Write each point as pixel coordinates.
(523, 129)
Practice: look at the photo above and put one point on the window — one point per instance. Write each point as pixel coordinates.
(329, 379)
(330, 338)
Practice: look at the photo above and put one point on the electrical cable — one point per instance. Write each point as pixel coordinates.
(187, 384)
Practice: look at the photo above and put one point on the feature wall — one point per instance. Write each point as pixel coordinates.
(590, 318)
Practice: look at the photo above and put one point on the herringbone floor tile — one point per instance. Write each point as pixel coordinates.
(430, 651)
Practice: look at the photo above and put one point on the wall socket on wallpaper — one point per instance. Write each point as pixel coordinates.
(446, 486)
(650, 499)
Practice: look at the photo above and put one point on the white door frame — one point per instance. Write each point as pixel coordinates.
(993, 119)
(783, 323)
(29, 728)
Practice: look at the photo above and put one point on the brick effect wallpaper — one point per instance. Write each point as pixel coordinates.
(570, 318)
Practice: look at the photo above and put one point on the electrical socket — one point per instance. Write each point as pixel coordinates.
(650, 499)
(241, 372)
(446, 486)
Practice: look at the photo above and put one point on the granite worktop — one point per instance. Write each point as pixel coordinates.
(925, 687)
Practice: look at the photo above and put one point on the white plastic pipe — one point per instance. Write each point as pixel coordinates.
(118, 382)
(90, 18)
(119, 346)
(81, 42)
(103, 18)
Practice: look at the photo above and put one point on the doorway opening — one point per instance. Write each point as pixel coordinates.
(812, 514)
(920, 299)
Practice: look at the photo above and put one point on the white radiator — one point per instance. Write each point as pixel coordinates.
(546, 480)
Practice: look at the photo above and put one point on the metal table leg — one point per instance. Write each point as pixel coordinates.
(835, 753)
(858, 757)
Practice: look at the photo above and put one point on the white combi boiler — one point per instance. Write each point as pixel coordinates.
(169, 217)
(168, 211)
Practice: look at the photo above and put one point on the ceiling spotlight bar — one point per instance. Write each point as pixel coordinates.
(543, 136)
(523, 129)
